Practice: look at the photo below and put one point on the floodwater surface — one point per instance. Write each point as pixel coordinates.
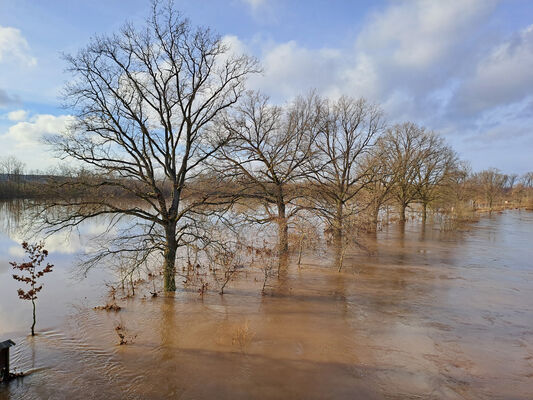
(423, 314)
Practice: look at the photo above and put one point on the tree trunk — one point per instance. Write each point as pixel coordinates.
(33, 325)
(375, 217)
(424, 212)
(402, 212)
(169, 267)
(338, 240)
(283, 229)
(340, 259)
(300, 249)
(338, 223)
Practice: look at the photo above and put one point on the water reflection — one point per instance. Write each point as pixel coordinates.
(423, 314)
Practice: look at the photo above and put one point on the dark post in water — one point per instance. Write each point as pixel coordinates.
(4, 359)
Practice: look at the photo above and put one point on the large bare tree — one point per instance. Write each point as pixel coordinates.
(438, 163)
(406, 143)
(144, 101)
(341, 170)
(268, 150)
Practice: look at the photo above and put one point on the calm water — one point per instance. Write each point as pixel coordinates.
(430, 314)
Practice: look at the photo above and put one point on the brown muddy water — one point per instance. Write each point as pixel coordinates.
(429, 315)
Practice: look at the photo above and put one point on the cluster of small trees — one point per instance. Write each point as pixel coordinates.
(11, 173)
(163, 116)
(489, 188)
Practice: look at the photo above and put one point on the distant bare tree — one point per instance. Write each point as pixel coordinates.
(527, 184)
(491, 184)
(12, 168)
(460, 185)
(268, 149)
(527, 180)
(511, 181)
(145, 100)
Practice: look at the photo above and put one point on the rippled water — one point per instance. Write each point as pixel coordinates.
(429, 314)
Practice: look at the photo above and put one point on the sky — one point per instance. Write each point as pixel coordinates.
(463, 68)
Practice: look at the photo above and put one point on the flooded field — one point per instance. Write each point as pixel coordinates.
(428, 314)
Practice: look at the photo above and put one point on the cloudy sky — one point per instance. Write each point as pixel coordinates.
(463, 68)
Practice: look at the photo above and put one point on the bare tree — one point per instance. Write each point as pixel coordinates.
(382, 165)
(491, 184)
(341, 169)
(407, 143)
(527, 184)
(527, 180)
(511, 181)
(268, 149)
(145, 100)
(458, 194)
(437, 164)
(12, 168)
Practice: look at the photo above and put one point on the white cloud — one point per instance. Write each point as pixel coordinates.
(418, 34)
(16, 251)
(64, 242)
(518, 118)
(17, 115)
(290, 70)
(505, 75)
(14, 47)
(254, 4)
(236, 46)
(31, 132)
(406, 50)
(262, 11)
(415, 48)
(24, 139)
(433, 62)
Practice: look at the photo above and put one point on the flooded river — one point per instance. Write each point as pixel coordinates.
(428, 314)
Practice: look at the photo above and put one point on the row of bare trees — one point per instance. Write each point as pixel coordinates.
(490, 189)
(335, 159)
(11, 174)
(162, 117)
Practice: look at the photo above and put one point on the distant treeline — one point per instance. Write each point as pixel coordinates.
(486, 190)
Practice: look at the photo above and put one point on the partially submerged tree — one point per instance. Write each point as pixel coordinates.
(144, 101)
(342, 167)
(491, 184)
(31, 271)
(459, 193)
(267, 153)
(382, 168)
(438, 163)
(406, 143)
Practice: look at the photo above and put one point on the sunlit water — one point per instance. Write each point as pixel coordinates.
(429, 314)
